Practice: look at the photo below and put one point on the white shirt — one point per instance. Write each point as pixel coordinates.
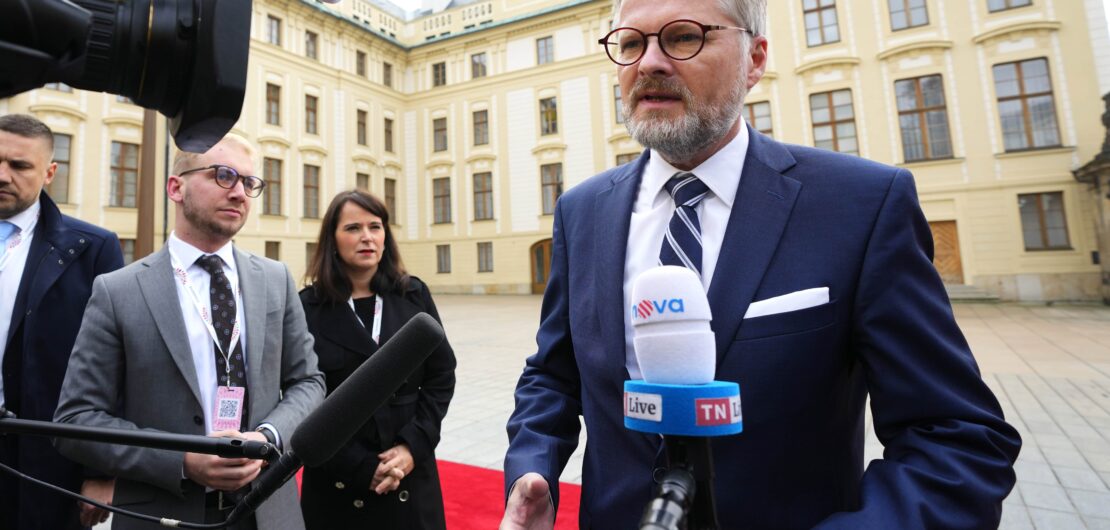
(652, 212)
(200, 341)
(10, 277)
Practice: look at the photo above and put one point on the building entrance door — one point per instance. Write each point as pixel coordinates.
(946, 252)
(541, 265)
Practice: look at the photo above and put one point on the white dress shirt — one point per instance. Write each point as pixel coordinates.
(10, 276)
(200, 341)
(652, 212)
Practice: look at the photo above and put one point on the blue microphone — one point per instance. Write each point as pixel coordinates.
(678, 397)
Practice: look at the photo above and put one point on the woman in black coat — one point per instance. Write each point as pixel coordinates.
(359, 296)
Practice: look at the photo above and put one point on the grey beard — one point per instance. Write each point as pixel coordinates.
(681, 140)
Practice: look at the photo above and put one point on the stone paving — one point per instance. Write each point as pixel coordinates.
(1049, 367)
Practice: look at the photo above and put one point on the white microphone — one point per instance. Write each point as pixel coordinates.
(678, 397)
(670, 327)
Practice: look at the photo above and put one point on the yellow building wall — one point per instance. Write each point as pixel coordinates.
(977, 188)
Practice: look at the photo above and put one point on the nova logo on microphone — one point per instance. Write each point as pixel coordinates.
(647, 308)
(718, 411)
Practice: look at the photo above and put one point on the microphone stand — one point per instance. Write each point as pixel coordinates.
(677, 505)
(224, 447)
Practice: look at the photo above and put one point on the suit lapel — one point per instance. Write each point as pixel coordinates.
(156, 282)
(764, 201)
(338, 323)
(613, 210)
(252, 282)
(45, 263)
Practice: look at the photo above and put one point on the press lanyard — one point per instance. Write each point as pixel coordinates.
(202, 310)
(376, 328)
(15, 241)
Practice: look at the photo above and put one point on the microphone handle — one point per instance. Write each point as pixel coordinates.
(267, 483)
(190, 443)
(695, 455)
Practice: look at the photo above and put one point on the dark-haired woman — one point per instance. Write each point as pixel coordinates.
(358, 296)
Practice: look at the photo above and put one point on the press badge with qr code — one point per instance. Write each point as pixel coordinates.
(228, 415)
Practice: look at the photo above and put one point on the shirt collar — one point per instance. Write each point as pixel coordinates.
(26, 219)
(187, 254)
(720, 172)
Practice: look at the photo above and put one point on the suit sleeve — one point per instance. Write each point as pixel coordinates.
(948, 457)
(302, 384)
(436, 389)
(90, 397)
(108, 258)
(543, 428)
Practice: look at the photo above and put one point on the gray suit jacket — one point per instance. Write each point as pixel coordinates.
(132, 368)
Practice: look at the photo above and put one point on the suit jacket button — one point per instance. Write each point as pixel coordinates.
(71, 251)
(82, 241)
(340, 485)
(403, 496)
(198, 420)
(60, 262)
(359, 504)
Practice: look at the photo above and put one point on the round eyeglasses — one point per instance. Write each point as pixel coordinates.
(678, 39)
(227, 177)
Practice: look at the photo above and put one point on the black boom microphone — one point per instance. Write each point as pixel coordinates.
(348, 408)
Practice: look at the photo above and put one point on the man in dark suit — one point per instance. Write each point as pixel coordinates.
(47, 267)
(199, 338)
(818, 272)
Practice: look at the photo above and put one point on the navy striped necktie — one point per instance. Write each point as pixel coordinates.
(682, 242)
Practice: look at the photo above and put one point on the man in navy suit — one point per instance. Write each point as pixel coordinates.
(47, 265)
(818, 271)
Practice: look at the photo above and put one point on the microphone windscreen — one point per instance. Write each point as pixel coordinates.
(671, 334)
(346, 410)
(668, 294)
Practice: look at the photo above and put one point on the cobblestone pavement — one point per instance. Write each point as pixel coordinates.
(1049, 367)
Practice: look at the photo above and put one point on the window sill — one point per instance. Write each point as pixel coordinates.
(485, 220)
(930, 162)
(114, 208)
(1045, 250)
(274, 216)
(1060, 149)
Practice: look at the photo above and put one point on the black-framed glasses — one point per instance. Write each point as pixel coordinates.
(227, 177)
(678, 39)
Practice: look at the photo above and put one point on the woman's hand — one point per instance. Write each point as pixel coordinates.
(396, 464)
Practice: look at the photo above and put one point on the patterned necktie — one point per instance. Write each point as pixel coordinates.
(223, 320)
(682, 242)
(6, 231)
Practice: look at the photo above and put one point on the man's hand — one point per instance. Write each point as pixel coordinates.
(100, 491)
(225, 474)
(396, 464)
(529, 506)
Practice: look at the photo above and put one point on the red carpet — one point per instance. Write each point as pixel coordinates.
(474, 498)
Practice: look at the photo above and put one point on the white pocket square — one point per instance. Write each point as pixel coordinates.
(794, 301)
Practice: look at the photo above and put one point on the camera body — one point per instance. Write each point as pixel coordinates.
(187, 59)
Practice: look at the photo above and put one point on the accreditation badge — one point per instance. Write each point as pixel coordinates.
(228, 413)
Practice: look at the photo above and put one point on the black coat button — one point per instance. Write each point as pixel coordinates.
(198, 420)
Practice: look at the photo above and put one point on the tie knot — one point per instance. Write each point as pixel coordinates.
(6, 230)
(212, 264)
(686, 189)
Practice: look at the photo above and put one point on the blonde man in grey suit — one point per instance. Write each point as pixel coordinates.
(197, 338)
